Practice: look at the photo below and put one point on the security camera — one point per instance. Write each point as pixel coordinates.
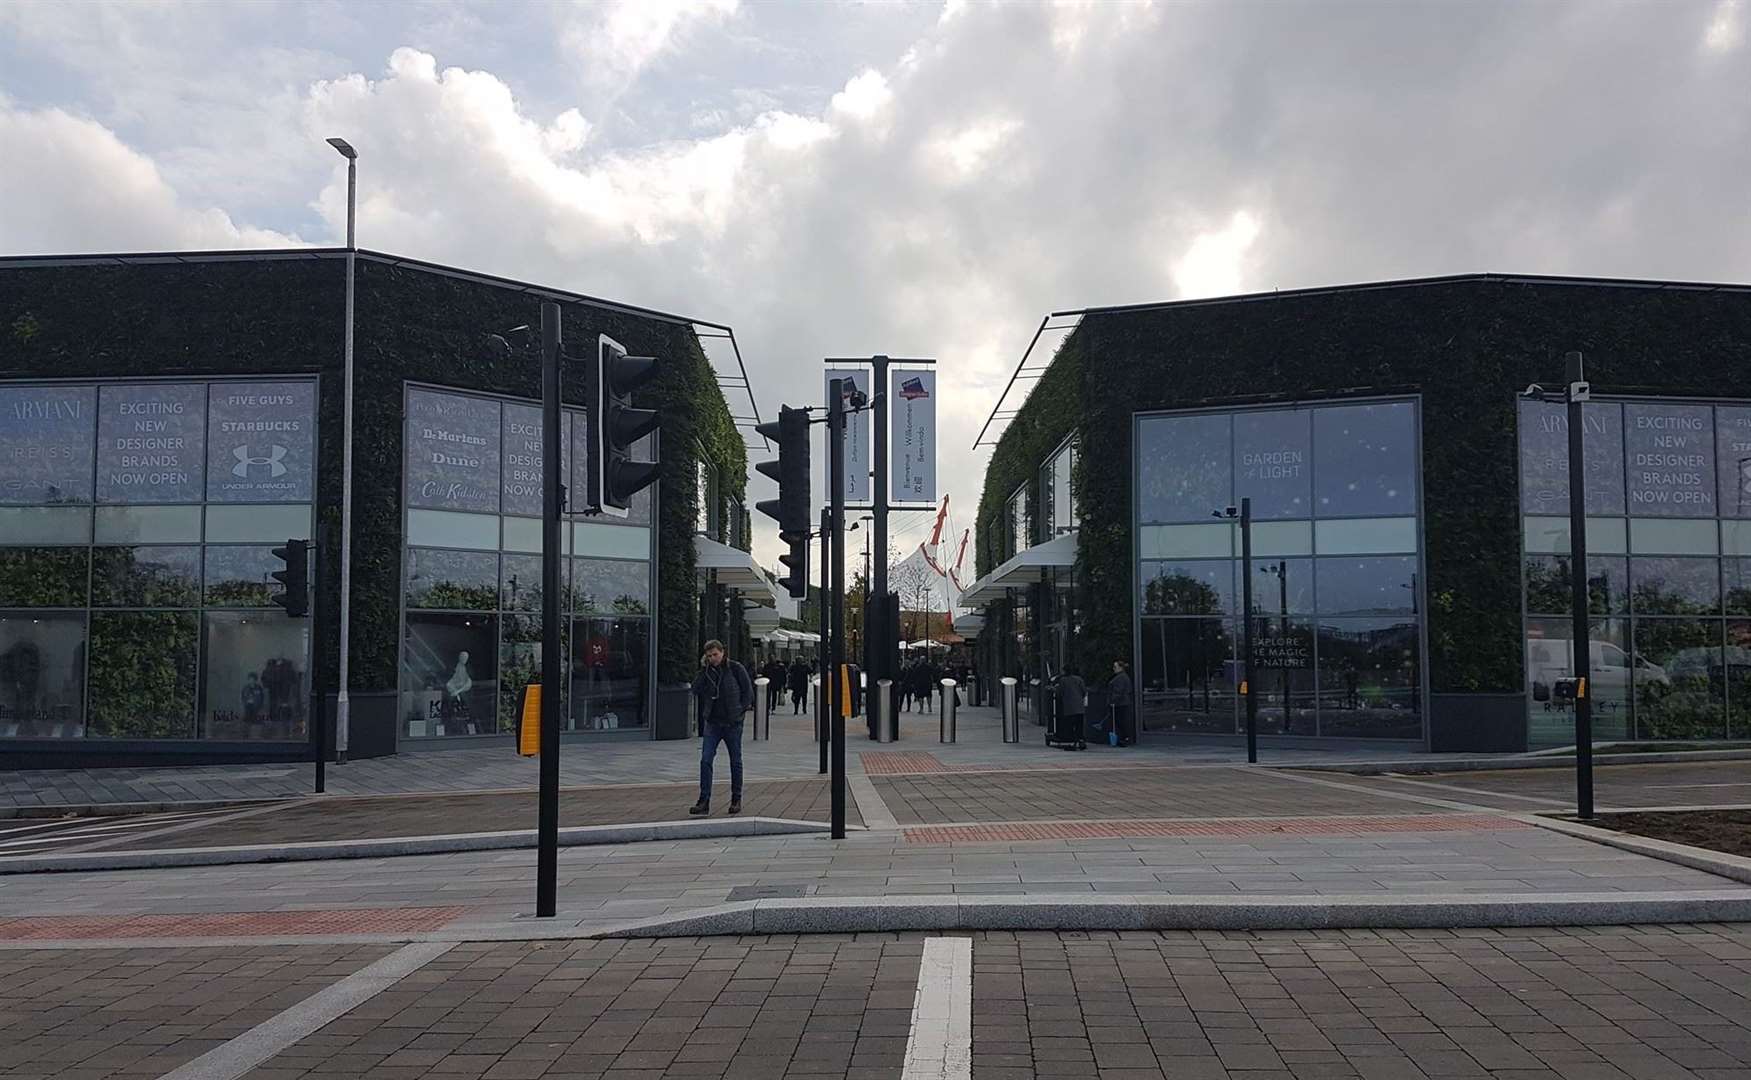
(1534, 390)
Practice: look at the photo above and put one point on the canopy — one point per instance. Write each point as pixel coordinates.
(734, 568)
(925, 645)
(1024, 569)
(968, 626)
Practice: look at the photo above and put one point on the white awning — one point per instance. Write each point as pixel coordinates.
(1022, 570)
(968, 626)
(733, 568)
(761, 620)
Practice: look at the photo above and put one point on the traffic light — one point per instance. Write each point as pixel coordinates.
(791, 509)
(614, 477)
(294, 577)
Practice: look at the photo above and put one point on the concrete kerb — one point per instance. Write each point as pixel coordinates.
(133, 809)
(1491, 764)
(387, 847)
(1718, 863)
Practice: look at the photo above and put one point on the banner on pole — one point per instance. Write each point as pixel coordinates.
(857, 456)
(912, 404)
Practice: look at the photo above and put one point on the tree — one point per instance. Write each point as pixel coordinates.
(919, 589)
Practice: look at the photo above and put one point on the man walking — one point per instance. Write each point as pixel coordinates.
(799, 686)
(775, 673)
(722, 692)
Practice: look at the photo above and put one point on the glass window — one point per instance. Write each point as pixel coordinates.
(1189, 588)
(1283, 663)
(241, 576)
(1675, 586)
(42, 675)
(1738, 664)
(1272, 452)
(143, 674)
(1550, 656)
(1184, 467)
(1215, 540)
(452, 452)
(45, 525)
(611, 541)
(1196, 688)
(146, 577)
(1544, 457)
(1736, 585)
(449, 674)
(1550, 536)
(1368, 586)
(610, 586)
(520, 664)
(456, 580)
(149, 525)
(1736, 538)
(1280, 538)
(151, 444)
(520, 585)
(1733, 454)
(638, 509)
(438, 528)
(47, 442)
(1282, 586)
(522, 459)
(1368, 678)
(257, 524)
(43, 577)
(1020, 522)
(1364, 460)
(1549, 585)
(1653, 536)
(1363, 536)
(1680, 679)
(261, 443)
(257, 676)
(1671, 465)
(609, 673)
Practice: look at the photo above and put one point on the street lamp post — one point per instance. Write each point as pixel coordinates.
(1248, 691)
(342, 705)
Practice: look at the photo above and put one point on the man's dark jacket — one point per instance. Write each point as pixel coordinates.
(735, 686)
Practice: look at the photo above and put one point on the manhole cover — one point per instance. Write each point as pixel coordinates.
(766, 892)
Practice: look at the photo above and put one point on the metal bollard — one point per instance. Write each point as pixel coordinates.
(1011, 711)
(762, 721)
(884, 707)
(946, 713)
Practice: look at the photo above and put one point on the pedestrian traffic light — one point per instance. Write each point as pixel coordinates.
(790, 432)
(294, 577)
(615, 425)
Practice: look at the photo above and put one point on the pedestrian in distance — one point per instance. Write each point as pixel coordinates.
(799, 686)
(775, 674)
(1072, 712)
(1123, 729)
(723, 692)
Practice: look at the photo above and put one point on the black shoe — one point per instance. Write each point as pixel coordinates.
(735, 806)
(700, 807)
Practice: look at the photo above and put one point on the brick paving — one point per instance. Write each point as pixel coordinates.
(900, 762)
(1702, 783)
(229, 924)
(92, 1014)
(1097, 830)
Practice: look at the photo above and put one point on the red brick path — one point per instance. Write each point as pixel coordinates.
(900, 762)
(1117, 830)
(228, 924)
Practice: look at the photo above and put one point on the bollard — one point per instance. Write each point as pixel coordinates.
(946, 713)
(762, 720)
(884, 710)
(1011, 713)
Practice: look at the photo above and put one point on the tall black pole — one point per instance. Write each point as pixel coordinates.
(821, 649)
(878, 391)
(1582, 646)
(836, 489)
(318, 686)
(1252, 690)
(547, 816)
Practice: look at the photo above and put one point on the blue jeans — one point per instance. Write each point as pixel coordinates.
(731, 737)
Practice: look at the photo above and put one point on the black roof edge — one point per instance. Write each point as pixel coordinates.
(139, 258)
(1406, 283)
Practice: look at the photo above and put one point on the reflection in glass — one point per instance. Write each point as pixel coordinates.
(146, 577)
(1675, 586)
(143, 674)
(1272, 466)
(1282, 586)
(1196, 587)
(241, 576)
(1365, 460)
(456, 580)
(1368, 586)
(1549, 585)
(612, 586)
(1368, 678)
(1184, 467)
(1544, 457)
(520, 583)
(520, 663)
(1680, 679)
(1020, 522)
(1737, 580)
(1550, 656)
(42, 577)
(1193, 689)
(449, 675)
(608, 674)
(1738, 659)
(1283, 665)
(256, 676)
(42, 675)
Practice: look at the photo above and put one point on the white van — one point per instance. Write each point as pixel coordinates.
(1550, 659)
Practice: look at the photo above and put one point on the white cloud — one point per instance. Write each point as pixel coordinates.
(614, 41)
(1214, 263)
(1726, 31)
(865, 96)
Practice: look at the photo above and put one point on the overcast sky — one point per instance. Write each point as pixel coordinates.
(909, 178)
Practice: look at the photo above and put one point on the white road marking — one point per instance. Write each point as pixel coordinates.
(940, 1046)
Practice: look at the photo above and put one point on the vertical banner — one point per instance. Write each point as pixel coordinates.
(857, 456)
(912, 397)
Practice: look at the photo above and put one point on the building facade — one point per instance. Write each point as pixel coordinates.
(166, 422)
(1410, 572)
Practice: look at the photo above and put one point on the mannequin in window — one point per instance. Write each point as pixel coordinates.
(456, 689)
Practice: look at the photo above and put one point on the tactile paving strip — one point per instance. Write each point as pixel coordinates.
(1121, 830)
(228, 924)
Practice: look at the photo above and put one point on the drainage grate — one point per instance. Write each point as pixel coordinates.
(766, 892)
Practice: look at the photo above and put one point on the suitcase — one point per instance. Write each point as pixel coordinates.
(1065, 732)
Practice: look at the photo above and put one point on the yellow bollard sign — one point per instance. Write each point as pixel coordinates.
(529, 734)
(844, 689)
